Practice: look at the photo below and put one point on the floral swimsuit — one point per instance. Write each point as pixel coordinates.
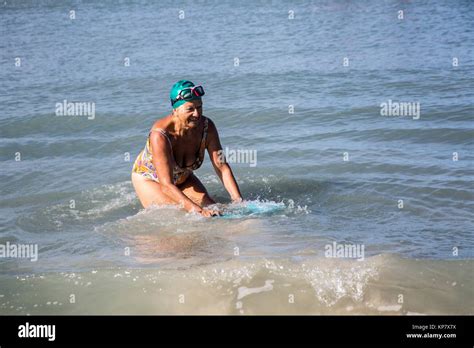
(144, 165)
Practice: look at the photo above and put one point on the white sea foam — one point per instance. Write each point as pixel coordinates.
(244, 291)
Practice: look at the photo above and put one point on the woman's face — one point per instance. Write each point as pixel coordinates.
(189, 113)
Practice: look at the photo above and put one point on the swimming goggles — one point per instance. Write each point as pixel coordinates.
(189, 93)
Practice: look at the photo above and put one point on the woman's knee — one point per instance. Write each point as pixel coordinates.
(200, 198)
(197, 198)
(207, 200)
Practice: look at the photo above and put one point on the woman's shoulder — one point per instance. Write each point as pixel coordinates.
(161, 123)
(210, 126)
(208, 122)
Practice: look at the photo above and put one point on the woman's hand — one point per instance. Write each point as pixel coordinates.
(205, 212)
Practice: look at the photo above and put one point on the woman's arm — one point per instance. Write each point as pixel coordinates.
(223, 170)
(163, 163)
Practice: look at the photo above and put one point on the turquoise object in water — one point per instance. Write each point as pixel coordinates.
(252, 209)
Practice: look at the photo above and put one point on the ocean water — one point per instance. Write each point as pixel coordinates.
(330, 168)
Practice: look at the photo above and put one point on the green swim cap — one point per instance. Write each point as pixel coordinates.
(177, 87)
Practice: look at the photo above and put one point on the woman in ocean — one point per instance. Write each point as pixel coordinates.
(163, 171)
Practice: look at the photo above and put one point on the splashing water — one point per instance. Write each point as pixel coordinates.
(252, 208)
